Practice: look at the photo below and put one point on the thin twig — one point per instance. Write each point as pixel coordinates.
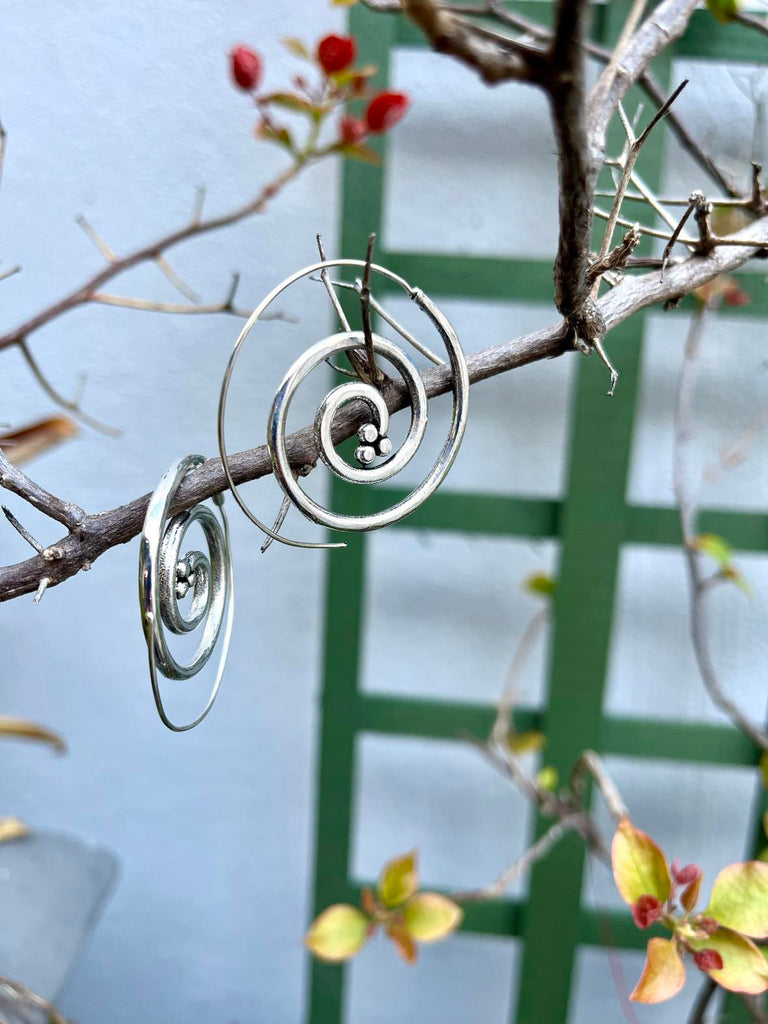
(590, 764)
(686, 502)
(376, 375)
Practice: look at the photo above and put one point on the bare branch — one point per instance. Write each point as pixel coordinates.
(64, 512)
(686, 501)
(105, 530)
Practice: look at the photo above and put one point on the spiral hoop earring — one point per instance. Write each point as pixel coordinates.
(166, 576)
(374, 441)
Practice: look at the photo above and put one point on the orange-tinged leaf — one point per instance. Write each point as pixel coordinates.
(429, 917)
(401, 940)
(337, 933)
(399, 880)
(20, 728)
(27, 442)
(367, 902)
(663, 974)
(744, 968)
(739, 898)
(639, 866)
(690, 894)
(12, 828)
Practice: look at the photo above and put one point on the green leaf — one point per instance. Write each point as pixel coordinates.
(363, 153)
(343, 3)
(547, 778)
(663, 974)
(279, 135)
(337, 933)
(293, 102)
(350, 74)
(723, 10)
(714, 546)
(739, 898)
(429, 917)
(763, 855)
(639, 866)
(539, 583)
(526, 742)
(296, 47)
(744, 968)
(398, 881)
(763, 765)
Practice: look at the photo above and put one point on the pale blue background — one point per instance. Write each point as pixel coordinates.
(118, 111)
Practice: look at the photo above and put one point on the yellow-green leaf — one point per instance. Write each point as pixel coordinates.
(526, 742)
(337, 933)
(399, 880)
(428, 916)
(763, 855)
(744, 968)
(12, 828)
(296, 47)
(663, 974)
(639, 866)
(765, 823)
(739, 898)
(723, 10)
(363, 153)
(547, 778)
(343, 3)
(19, 728)
(715, 546)
(539, 583)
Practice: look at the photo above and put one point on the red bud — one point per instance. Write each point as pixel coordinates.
(245, 67)
(385, 110)
(645, 911)
(708, 960)
(706, 924)
(352, 131)
(335, 53)
(685, 875)
(734, 296)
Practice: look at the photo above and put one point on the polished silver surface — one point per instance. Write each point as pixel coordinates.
(375, 443)
(167, 577)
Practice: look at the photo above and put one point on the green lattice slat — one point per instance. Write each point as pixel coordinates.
(594, 523)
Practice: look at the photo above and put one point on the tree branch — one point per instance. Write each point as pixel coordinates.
(97, 533)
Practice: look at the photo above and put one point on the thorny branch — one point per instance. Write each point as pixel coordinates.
(699, 583)
(97, 533)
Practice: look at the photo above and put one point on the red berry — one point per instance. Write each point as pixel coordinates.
(385, 110)
(245, 66)
(335, 53)
(352, 130)
(645, 911)
(708, 960)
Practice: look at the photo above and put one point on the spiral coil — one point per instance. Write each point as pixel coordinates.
(373, 435)
(166, 577)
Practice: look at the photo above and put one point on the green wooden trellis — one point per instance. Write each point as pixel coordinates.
(592, 521)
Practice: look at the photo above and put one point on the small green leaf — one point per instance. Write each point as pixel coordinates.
(739, 898)
(296, 47)
(547, 778)
(730, 572)
(363, 153)
(714, 546)
(398, 881)
(744, 968)
(293, 102)
(763, 855)
(272, 133)
(539, 583)
(663, 974)
(429, 917)
(723, 10)
(526, 742)
(337, 933)
(763, 765)
(639, 866)
(343, 3)
(350, 74)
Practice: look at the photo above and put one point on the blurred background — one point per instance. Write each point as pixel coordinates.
(119, 112)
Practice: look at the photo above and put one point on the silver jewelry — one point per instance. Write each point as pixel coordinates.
(374, 442)
(166, 577)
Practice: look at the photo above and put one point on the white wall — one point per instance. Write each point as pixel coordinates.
(118, 111)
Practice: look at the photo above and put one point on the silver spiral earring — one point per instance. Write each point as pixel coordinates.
(373, 435)
(166, 576)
